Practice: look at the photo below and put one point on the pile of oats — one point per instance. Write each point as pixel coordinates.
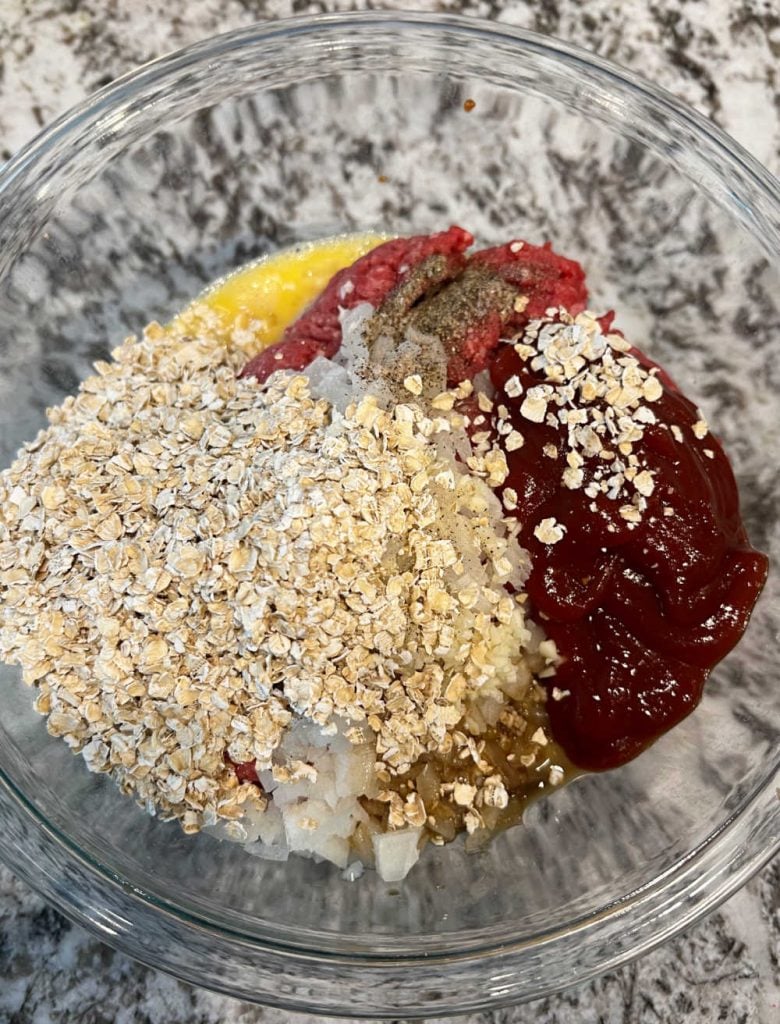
(190, 562)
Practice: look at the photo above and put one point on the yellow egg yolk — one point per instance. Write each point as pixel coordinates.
(268, 295)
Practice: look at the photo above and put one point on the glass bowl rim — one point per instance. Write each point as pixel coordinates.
(101, 112)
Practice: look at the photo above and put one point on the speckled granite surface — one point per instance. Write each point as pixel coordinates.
(718, 55)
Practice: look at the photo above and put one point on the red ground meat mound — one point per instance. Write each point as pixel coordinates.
(535, 272)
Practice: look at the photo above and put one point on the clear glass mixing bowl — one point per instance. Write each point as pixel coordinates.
(126, 207)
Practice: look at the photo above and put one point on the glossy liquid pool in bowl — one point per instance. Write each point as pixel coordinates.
(273, 136)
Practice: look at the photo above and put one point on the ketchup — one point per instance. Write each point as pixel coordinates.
(640, 613)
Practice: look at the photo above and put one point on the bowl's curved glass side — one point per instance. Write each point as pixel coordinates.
(384, 987)
(455, 49)
(179, 185)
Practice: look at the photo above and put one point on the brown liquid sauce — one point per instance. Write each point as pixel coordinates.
(509, 746)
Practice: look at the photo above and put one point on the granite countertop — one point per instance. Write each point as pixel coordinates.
(719, 55)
